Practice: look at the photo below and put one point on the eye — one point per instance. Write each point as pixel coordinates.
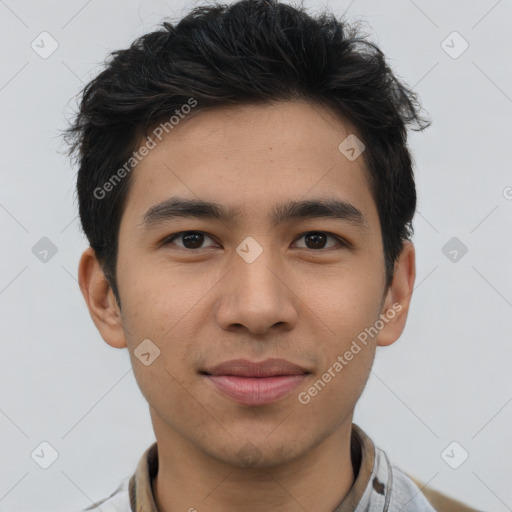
(191, 239)
(317, 239)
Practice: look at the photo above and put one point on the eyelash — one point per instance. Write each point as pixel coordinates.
(341, 241)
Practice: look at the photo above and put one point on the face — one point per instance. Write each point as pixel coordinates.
(256, 285)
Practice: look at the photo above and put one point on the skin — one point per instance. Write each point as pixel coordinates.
(295, 301)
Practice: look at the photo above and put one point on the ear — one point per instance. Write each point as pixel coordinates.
(100, 299)
(398, 297)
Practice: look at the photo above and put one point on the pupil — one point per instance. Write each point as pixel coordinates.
(195, 243)
(318, 240)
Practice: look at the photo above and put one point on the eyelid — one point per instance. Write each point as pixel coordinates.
(343, 242)
(167, 240)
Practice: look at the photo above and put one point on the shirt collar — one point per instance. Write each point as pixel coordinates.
(362, 451)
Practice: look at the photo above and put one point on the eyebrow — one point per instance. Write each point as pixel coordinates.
(176, 207)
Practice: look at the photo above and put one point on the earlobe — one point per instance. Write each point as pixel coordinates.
(398, 297)
(100, 300)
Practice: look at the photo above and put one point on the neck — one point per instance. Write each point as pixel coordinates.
(190, 480)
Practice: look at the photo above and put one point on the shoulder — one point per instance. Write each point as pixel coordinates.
(411, 495)
(118, 501)
(390, 489)
(405, 495)
(441, 502)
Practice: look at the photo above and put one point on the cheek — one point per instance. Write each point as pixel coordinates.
(344, 310)
(331, 396)
(153, 302)
(345, 300)
(156, 332)
(163, 311)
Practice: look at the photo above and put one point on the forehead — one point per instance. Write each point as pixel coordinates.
(250, 159)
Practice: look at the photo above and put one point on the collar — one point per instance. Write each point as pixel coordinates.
(362, 451)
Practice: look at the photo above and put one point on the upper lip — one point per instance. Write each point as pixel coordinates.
(266, 368)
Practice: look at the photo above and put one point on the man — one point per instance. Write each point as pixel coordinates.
(247, 191)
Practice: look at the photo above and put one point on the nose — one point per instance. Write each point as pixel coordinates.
(257, 297)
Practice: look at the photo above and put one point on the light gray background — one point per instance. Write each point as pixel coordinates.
(447, 379)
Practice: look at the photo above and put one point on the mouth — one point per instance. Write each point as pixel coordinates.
(255, 383)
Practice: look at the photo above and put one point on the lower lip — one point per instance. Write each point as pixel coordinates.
(256, 390)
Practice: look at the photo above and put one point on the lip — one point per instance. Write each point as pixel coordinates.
(266, 368)
(256, 383)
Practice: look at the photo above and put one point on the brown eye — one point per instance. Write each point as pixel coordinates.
(190, 239)
(316, 240)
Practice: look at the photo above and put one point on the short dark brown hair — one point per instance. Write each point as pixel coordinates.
(248, 52)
